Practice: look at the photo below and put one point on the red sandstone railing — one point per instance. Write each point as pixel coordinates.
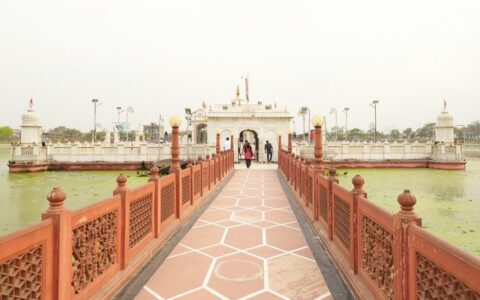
(382, 255)
(92, 252)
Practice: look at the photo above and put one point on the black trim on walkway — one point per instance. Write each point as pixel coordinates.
(337, 285)
(136, 284)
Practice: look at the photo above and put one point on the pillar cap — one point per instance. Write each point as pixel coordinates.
(175, 121)
(121, 180)
(317, 121)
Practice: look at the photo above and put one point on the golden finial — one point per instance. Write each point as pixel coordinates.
(238, 91)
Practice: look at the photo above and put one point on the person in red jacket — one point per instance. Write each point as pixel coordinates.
(248, 153)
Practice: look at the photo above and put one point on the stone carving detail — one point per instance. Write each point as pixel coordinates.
(21, 276)
(377, 255)
(341, 224)
(94, 249)
(185, 189)
(323, 203)
(450, 149)
(197, 183)
(168, 201)
(435, 283)
(140, 219)
(304, 184)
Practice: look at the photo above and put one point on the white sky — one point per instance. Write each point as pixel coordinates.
(163, 56)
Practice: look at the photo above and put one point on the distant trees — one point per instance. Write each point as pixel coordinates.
(6, 134)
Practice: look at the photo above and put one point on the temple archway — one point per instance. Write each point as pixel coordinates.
(252, 137)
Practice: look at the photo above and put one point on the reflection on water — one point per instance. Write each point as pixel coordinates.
(23, 196)
(447, 201)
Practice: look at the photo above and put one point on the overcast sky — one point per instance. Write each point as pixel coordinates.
(162, 56)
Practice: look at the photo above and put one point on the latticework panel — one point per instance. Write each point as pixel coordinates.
(341, 224)
(309, 190)
(197, 182)
(434, 282)
(94, 249)
(377, 255)
(21, 276)
(323, 203)
(205, 177)
(185, 189)
(168, 201)
(140, 219)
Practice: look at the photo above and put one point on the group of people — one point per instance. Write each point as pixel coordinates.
(249, 155)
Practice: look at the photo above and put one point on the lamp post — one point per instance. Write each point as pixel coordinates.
(374, 105)
(333, 110)
(303, 112)
(95, 103)
(188, 117)
(345, 110)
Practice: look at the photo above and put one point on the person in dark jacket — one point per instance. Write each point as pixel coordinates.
(269, 151)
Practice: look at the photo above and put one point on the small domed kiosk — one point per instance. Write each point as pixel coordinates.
(444, 127)
(31, 128)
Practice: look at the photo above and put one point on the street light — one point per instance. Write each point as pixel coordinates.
(95, 104)
(345, 110)
(303, 112)
(333, 110)
(374, 105)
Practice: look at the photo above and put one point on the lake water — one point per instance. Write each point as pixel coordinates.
(447, 201)
(23, 196)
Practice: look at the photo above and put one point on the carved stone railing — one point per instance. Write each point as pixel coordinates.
(382, 255)
(92, 252)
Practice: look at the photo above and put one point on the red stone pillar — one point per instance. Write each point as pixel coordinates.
(232, 154)
(317, 122)
(217, 143)
(207, 157)
(357, 191)
(289, 143)
(154, 171)
(62, 238)
(175, 122)
(402, 221)
(124, 227)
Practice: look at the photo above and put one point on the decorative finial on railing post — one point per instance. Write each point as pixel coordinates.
(207, 157)
(189, 163)
(332, 174)
(199, 159)
(358, 183)
(121, 183)
(406, 200)
(154, 171)
(56, 198)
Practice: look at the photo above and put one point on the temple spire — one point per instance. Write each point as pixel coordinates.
(238, 91)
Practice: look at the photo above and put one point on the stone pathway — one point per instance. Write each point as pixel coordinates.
(246, 245)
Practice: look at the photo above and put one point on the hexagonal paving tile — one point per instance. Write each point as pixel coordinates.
(285, 238)
(237, 275)
(304, 280)
(168, 282)
(215, 215)
(203, 236)
(247, 216)
(276, 203)
(279, 216)
(218, 250)
(265, 251)
(250, 237)
(199, 294)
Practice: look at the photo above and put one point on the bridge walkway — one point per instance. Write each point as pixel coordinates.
(248, 244)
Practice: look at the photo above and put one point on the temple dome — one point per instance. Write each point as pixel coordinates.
(31, 118)
(444, 120)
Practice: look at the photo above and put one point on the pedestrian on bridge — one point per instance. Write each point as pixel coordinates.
(269, 151)
(248, 153)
